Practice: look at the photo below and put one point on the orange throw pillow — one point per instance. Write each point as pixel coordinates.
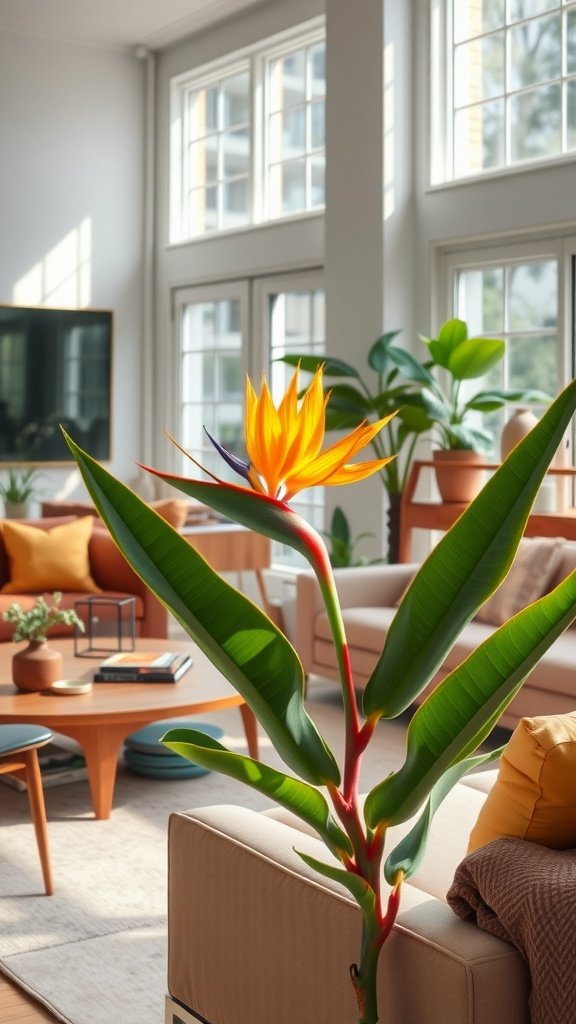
(173, 510)
(534, 796)
(48, 560)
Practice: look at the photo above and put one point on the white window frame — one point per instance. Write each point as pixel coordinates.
(255, 58)
(441, 142)
(448, 260)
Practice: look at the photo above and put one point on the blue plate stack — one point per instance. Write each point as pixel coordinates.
(144, 753)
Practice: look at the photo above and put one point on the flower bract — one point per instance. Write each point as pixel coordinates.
(284, 443)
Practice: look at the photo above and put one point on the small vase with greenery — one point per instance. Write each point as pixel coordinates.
(19, 487)
(37, 666)
(284, 456)
(35, 623)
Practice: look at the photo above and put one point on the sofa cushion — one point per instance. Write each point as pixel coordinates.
(534, 796)
(48, 560)
(533, 568)
(173, 510)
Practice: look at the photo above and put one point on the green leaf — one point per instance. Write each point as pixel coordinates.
(407, 856)
(303, 800)
(378, 355)
(458, 715)
(359, 888)
(464, 568)
(452, 333)
(332, 367)
(474, 357)
(409, 366)
(487, 401)
(347, 398)
(234, 633)
(339, 526)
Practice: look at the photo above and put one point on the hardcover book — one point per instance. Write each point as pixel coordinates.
(143, 668)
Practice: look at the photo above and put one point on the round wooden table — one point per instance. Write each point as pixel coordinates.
(101, 720)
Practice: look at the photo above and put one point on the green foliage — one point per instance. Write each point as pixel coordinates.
(35, 623)
(463, 358)
(342, 547)
(20, 485)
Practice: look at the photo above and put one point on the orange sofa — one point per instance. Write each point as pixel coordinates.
(110, 572)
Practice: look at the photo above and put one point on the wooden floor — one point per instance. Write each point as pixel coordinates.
(16, 1007)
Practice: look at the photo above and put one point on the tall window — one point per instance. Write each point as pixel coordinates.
(296, 325)
(510, 93)
(296, 85)
(211, 374)
(247, 136)
(519, 293)
(216, 155)
(224, 332)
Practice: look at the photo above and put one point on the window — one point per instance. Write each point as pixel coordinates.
(295, 324)
(510, 94)
(211, 373)
(248, 137)
(518, 293)
(218, 344)
(295, 130)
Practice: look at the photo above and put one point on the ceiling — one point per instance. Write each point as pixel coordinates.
(115, 23)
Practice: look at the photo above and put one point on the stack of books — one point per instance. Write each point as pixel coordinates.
(59, 764)
(140, 667)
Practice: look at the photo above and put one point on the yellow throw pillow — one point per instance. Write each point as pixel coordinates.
(530, 574)
(48, 560)
(534, 796)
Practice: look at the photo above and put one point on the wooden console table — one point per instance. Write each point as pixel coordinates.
(435, 515)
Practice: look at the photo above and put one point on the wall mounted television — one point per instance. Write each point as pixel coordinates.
(55, 368)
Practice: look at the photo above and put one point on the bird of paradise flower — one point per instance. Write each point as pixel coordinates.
(284, 448)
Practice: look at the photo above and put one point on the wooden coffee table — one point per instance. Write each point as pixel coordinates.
(101, 720)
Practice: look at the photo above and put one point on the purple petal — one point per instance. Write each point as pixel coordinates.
(238, 465)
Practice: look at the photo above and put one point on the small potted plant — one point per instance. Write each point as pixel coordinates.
(38, 665)
(17, 490)
(451, 410)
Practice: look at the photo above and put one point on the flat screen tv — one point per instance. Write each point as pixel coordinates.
(55, 368)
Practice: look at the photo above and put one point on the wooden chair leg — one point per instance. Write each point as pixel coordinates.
(38, 812)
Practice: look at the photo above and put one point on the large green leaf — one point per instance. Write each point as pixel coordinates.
(233, 632)
(378, 359)
(487, 401)
(407, 856)
(474, 357)
(409, 366)
(464, 568)
(332, 367)
(305, 801)
(462, 710)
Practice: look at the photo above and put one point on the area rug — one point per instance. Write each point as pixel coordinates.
(95, 952)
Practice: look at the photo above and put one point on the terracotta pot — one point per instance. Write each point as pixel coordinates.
(460, 483)
(37, 666)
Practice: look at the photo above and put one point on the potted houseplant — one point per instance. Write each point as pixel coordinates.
(17, 489)
(451, 409)
(470, 561)
(38, 665)
(341, 551)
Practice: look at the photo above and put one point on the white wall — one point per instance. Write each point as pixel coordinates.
(71, 125)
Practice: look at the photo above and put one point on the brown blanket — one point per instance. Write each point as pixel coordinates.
(526, 894)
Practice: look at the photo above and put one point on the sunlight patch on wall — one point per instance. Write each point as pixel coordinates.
(389, 139)
(64, 276)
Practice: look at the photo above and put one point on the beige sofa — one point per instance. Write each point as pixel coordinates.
(368, 597)
(255, 936)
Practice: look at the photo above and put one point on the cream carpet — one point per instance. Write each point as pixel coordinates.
(95, 952)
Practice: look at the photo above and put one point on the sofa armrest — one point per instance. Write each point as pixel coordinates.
(366, 586)
(111, 572)
(254, 935)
